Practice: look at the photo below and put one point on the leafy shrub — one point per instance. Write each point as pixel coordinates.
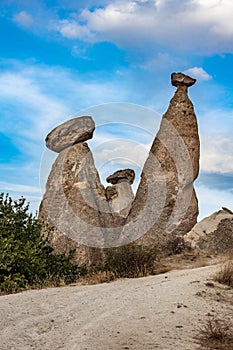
(130, 261)
(26, 256)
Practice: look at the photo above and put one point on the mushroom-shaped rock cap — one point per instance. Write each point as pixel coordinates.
(180, 79)
(121, 175)
(69, 133)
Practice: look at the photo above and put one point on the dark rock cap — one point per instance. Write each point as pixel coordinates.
(120, 175)
(69, 133)
(180, 79)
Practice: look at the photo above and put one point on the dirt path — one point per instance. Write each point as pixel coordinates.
(157, 312)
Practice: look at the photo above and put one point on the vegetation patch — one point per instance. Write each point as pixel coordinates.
(27, 260)
(216, 334)
(130, 261)
(225, 274)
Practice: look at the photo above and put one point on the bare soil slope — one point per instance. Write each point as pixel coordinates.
(157, 312)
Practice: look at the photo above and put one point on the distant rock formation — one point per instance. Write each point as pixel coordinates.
(120, 194)
(213, 234)
(166, 187)
(89, 217)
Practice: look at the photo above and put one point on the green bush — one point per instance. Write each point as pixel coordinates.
(26, 257)
(130, 261)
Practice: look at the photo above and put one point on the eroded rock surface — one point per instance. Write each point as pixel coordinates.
(165, 205)
(120, 194)
(180, 79)
(73, 131)
(75, 204)
(213, 234)
(70, 203)
(121, 175)
(89, 217)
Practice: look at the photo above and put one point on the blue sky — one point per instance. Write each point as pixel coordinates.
(62, 57)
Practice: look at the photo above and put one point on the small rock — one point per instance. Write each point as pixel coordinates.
(180, 79)
(121, 175)
(210, 284)
(69, 133)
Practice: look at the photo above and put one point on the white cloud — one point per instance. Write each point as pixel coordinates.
(31, 193)
(160, 61)
(72, 30)
(217, 154)
(7, 186)
(198, 73)
(39, 109)
(24, 19)
(205, 26)
(45, 97)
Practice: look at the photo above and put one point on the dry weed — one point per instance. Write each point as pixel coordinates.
(216, 335)
(225, 274)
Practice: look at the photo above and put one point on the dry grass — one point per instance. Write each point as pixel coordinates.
(216, 335)
(225, 274)
(108, 276)
(131, 261)
(162, 269)
(97, 278)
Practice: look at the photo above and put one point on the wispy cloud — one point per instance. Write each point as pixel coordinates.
(6, 186)
(24, 19)
(44, 102)
(39, 109)
(198, 73)
(72, 30)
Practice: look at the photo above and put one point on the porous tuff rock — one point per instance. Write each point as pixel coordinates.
(69, 133)
(75, 204)
(120, 194)
(213, 234)
(180, 79)
(165, 204)
(121, 175)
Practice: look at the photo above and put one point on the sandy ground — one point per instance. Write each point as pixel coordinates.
(156, 312)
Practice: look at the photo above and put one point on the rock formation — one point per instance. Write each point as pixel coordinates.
(75, 202)
(72, 191)
(165, 204)
(89, 217)
(126, 175)
(212, 235)
(120, 194)
(69, 133)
